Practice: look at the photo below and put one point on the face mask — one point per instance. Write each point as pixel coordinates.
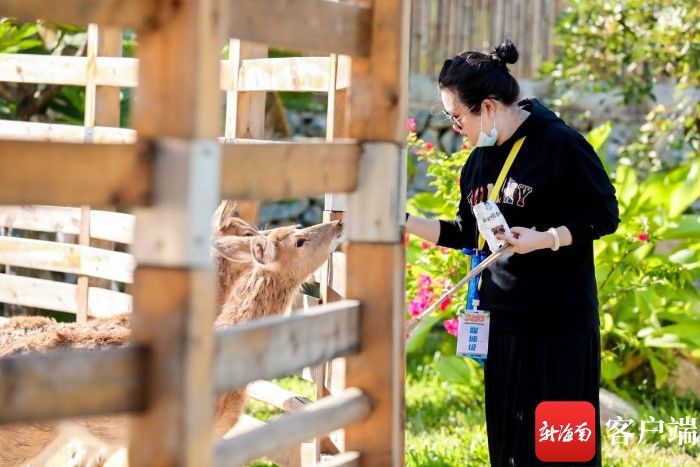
(484, 139)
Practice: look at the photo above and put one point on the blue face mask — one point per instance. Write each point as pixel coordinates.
(484, 139)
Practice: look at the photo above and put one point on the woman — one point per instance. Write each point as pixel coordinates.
(544, 341)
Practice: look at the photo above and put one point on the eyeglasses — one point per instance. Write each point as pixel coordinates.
(453, 120)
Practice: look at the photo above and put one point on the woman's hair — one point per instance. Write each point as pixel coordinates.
(476, 76)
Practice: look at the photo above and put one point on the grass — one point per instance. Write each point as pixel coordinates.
(445, 420)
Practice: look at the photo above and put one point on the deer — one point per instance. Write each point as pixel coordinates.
(276, 266)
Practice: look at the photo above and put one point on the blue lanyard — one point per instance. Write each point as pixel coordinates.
(473, 287)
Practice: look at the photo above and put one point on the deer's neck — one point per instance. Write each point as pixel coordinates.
(263, 293)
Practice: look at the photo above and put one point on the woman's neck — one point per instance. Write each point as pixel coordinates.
(512, 119)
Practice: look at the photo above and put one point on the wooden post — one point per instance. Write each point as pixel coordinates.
(102, 107)
(245, 112)
(177, 106)
(375, 258)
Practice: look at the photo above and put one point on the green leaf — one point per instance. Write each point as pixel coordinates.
(426, 202)
(660, 370)
(597, 137)
(609, 367)
(686, 190)
(684, 228)
(417, 338)
(456, 369)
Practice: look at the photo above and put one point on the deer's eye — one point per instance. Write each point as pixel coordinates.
(300, 242)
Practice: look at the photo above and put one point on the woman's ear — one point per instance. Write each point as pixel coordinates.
(264, 251)
(234, 248)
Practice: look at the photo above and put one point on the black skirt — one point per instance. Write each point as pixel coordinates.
(527, 365)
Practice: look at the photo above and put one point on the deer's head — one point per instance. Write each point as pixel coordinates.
(294, 252)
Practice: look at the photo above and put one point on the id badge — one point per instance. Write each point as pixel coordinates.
(473, 334)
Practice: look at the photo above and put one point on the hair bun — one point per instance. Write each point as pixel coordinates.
(506, 52)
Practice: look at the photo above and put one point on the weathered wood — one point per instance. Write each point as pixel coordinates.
(176, 309)
(376, 205)
(251, 351)
(308, 74)
(380, 81)
(346, 459)
(108, 98)
(178, 102)
(270, 393)
(68, 383)
(257, 171)
(65, 174)
(105, 225)
(60, 296)
(82, 288)
(308, 25)
(61, 133)
(129, 13)
(55, 69)
(245, 112)
(316, 419)
(65, 257)
(376, 276)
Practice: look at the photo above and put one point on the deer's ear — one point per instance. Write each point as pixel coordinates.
(263, 250)
(221, 218)
(234, 248)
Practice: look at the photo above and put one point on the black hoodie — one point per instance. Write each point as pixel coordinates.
(556, 179)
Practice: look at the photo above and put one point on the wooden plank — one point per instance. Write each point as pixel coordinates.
(317, 419)
(258, 171)
(380, 82)
(376, 207)
(129, 13)
(179, 103)
(68, 383)
(251, 351)
(327, 27)
(81, 292)
(307, 74)
(65, 173)
(179, 338)
(108, 98)
(105, 225)
(376, 276)
(64, 257)
(91, 80)
(72, 71)
(62, 133)
(270, 393)
(346, 459)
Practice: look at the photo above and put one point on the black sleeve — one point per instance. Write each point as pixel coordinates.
(593, 209)
(461, 232)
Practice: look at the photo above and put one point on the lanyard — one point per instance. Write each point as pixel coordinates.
(499, 181)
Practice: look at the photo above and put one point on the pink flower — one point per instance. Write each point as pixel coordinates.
(464, 146)
(424, 280)
(414, 308)
(425, 245)
(411, 124)
(428, 146)
(451, 326)
(445, 303)
(643, 236)
(444, 250)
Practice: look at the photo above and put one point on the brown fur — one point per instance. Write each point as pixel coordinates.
(275, 267)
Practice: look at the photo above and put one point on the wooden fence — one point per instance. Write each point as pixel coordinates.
(442, 28)
(173, 168)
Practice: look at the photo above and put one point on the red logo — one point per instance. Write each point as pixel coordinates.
(565, 431)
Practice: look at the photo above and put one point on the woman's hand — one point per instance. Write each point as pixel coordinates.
(525, 240)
